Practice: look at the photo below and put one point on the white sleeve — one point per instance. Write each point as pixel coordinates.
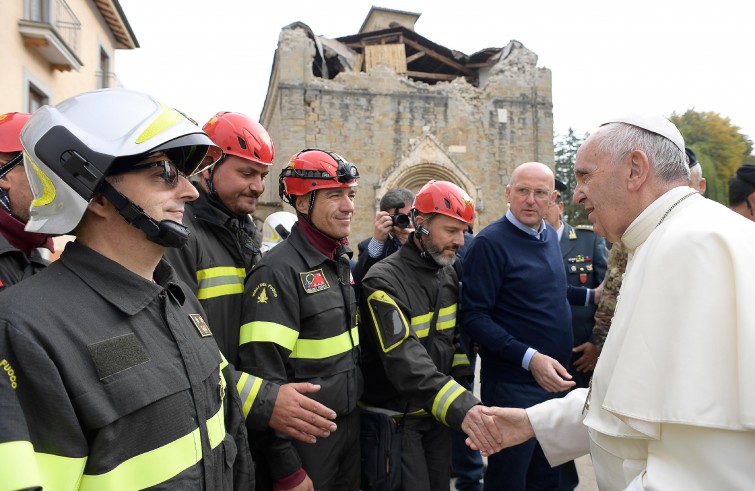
(558, 427)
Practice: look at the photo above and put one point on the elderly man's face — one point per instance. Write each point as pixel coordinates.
(600, 190)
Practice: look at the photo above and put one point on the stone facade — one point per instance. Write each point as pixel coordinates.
(403, 132)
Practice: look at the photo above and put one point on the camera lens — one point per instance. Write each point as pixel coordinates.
(401, 220)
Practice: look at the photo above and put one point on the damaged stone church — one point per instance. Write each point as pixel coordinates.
(406, 110)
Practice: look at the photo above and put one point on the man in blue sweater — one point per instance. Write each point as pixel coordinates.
(515, 306)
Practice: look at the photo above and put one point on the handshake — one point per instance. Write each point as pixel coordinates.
(491, 429)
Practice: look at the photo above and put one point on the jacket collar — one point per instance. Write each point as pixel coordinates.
(124, 289)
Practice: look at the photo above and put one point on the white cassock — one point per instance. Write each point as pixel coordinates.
(672, 405)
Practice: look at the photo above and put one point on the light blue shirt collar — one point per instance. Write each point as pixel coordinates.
(524, 228)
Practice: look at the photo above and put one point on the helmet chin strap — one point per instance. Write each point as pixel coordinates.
(211, 185)
(166, 233)
(420, 232)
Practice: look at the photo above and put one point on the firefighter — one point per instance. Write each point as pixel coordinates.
(299, 320)
(412, 353)
(111, 378)
(21, 253)
(222, 249)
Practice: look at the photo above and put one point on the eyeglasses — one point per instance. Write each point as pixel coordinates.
(11, 164)
(540, 194)
(170, 172)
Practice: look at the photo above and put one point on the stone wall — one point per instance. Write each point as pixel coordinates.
(400, 132)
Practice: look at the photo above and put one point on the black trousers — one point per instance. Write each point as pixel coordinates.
(425, 455)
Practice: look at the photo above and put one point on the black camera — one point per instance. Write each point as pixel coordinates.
(401, 220)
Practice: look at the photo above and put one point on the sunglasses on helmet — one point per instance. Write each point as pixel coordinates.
(169, 174)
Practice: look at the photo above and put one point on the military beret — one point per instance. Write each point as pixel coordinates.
(692, 157)
(560, 185)
(747, 173)
(654, 124)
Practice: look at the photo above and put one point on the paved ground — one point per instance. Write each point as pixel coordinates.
(586, 475)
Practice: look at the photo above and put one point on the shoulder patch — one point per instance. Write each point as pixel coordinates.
(314, 281)
(260, 292)
(584, 227)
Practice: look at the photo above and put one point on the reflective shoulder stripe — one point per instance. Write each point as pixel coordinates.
(217, 282)
(248, 387)
(443, 400)
(460, 359)
(19, 456)
(381, 296)
(268, 332)
(447, 317)
(158, 465)
(317, 349)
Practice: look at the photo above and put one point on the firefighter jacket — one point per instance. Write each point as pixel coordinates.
(16, 266)
(112, 382)
(399, 297)
(299, 325)
(221, 251)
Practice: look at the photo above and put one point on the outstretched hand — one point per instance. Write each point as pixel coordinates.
(512, 423)
(300, 417)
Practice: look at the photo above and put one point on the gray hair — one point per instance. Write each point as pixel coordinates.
(396, 198)
(668, 160)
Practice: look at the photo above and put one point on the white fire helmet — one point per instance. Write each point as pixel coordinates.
(276, 229)
(70, 148)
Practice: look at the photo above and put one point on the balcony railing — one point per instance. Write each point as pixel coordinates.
(51, 27)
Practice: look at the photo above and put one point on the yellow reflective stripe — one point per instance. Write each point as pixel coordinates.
(460, 359)
(223, 361)
(219, 291)
(204, 274)
(248, 387)
(19, 457)
(48, 188)
(158, 465)
(443, 400)
(381, 296)
(446, 318)
(317, 349)
(216, 428)
(217, 282)
(167, 118)
(268, 332)
(150, 468)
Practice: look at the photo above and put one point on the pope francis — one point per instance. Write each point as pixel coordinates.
(672, 400)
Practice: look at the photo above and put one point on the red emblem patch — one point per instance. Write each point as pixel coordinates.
(314, 281)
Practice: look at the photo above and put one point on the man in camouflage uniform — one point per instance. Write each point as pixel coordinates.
(617, 263)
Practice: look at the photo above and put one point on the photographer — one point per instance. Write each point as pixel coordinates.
(392, 228)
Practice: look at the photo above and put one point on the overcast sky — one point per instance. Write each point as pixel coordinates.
(606, 57)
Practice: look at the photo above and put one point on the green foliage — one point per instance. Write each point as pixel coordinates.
(566, 152)
(719, 147)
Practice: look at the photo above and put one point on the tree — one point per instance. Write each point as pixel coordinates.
(718, 145)
(566, 152)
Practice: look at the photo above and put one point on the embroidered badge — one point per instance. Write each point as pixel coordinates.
(572, 234)
(260, 292)
(314, 281)
(201, 325)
